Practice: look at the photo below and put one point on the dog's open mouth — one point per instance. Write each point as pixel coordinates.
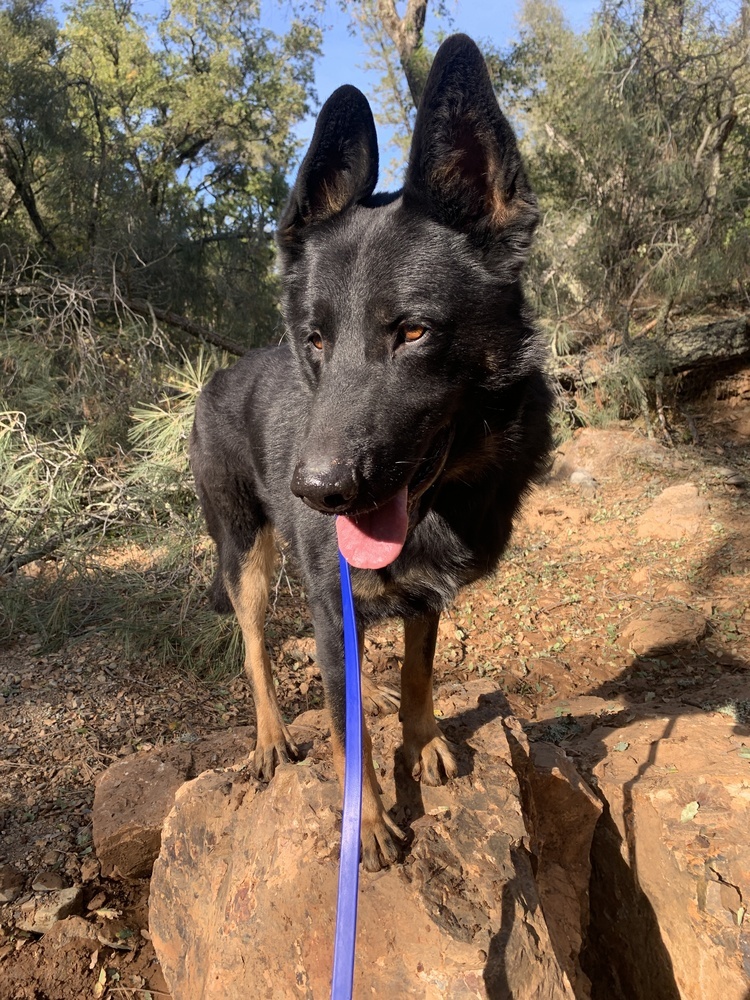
(375, 539)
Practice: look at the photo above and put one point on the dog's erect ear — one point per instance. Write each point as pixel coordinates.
(341, 165)
(464, 168)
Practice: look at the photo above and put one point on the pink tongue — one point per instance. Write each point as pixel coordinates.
(372, 541)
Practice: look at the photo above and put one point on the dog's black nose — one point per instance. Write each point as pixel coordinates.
(327, 486)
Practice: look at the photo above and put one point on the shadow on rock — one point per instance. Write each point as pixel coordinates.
(458, 728)
(670, 857)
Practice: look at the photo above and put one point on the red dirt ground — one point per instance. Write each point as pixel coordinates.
(592, 599)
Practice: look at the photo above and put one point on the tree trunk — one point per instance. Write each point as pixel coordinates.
(699, 347)
(407, 34)
(13, 168)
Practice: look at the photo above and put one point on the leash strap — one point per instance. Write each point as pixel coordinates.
(346, 906)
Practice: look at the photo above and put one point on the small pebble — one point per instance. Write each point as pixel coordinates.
(90, 869)
(48, 882)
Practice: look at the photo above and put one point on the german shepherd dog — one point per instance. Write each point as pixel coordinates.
(403, 418)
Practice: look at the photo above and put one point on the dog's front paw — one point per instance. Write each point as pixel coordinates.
(380, 838)
(379, 699)
(276, 748)
(429, 759)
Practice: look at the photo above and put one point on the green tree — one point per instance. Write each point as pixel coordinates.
(637, 136)
(143, 162)
(399, 51)
(152, 154)
(35, 131)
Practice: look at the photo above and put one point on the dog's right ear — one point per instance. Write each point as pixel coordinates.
(340, 168)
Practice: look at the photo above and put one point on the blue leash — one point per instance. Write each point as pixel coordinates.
(346, 906)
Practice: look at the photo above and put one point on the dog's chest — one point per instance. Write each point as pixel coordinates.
(424, 580)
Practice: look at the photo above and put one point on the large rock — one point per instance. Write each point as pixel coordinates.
(134, 795)
(604, 453)
(678, 512)
(43, 910)
(662, 628)
(560, 812)
(671, 859)
(243, 892)
(11, 883)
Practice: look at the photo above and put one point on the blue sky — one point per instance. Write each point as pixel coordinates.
(344, 53)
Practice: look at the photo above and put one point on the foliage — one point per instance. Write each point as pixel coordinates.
(113, 545)
(143, 161)
(143, 151)
(400, 52)
(393, 106)
(636, 132)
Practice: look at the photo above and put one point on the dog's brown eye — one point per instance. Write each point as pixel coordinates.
(317, 341)
(412, 332)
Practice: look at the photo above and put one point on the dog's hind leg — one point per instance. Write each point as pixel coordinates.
(248, 589)
(426, 750)
(378, 699)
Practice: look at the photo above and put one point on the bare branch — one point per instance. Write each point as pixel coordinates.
(189, 326)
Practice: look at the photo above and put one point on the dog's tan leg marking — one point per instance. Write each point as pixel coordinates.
(378, 833)
(273, 745)
(426, 750)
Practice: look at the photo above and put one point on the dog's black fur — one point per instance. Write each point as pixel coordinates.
(410, 358)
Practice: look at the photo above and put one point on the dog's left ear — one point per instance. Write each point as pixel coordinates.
(340, 168)
(465, 169)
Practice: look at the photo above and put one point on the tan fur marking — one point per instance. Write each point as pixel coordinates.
(378, 833)
(367, 586)
(425, 747)
(250, 599)
(474, 464)
(417, 709)
(449, 174)
(335, 197)
(372, 806)
(500, 211)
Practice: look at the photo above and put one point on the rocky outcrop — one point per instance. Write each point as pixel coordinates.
(521, 879)
(667, 626)
(604, 454)
(134, 796)
(678, 512)
(560, 812)
(491, 899)
(671, 860)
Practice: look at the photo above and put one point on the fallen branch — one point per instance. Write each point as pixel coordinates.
(142, 308)
(14, 562)
(80, 297)
(699, 347)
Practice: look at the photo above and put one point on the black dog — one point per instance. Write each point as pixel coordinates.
(409, 399)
